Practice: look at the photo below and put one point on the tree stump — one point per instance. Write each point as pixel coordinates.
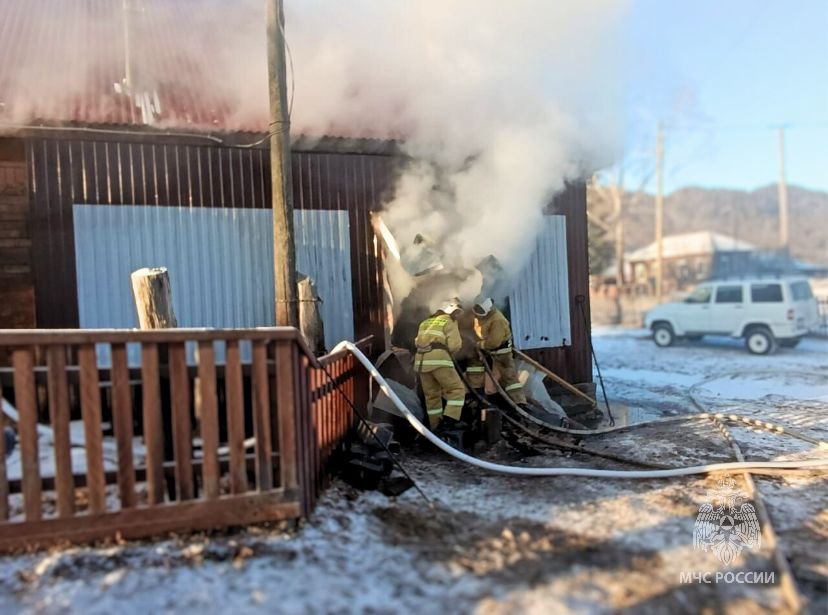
(153, 298)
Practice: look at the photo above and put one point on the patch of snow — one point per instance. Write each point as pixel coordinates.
(790, 386)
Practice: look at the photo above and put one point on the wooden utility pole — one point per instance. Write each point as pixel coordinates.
(618, 214)
(783, 194)
(659, 211)
(284, 251)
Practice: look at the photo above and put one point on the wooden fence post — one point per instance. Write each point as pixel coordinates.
(286, 409)
(153, 298)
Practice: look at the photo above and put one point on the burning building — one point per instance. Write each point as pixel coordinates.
(141, 161)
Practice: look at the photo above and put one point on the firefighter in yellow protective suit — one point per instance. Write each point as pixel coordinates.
(495, 341)
(437, 339)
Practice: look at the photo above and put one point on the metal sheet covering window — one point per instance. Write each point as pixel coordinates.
(220, 262)
(539, 303)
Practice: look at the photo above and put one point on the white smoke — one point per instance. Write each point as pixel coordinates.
(498, 104)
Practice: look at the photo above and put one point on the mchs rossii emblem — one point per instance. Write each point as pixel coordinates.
(727, 523)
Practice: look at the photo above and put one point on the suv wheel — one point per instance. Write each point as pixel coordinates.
(759, 340)
(663, 335)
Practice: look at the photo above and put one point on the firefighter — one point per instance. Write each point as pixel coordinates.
(437, 339)
(495, 341)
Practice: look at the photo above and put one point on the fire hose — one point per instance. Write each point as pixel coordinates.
(549, 441)
(753, 466)
(731, 418)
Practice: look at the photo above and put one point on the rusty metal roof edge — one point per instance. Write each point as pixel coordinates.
(299, 143)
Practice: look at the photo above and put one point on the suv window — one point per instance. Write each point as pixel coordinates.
(729, 294)
(766, 293)
(801, 291)
(700, 295)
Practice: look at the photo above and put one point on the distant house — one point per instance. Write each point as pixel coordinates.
(690, 258)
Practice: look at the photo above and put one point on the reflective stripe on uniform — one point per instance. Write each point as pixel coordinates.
(434, 411)
(454, 402)
(475, 370)
(434, 362)
(435, 323)
(502, 351)
(434, 332)
(514, 386)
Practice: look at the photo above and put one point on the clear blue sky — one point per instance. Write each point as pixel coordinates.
(718, 73)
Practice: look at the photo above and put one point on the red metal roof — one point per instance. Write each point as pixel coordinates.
(65, 61)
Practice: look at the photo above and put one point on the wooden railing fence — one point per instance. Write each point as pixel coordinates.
(136, 433)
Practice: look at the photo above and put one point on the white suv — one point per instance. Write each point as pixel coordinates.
(764, 311)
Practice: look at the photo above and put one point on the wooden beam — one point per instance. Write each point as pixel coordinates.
(91, 411)
(209, 419)
(141, 522)
(26, 400)
(58, 391)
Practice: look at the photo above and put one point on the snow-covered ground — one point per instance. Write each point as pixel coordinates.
(497, 544)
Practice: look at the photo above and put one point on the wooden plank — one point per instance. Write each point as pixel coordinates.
(235, 417)
(4, 481)
(261, 417)
(122, 420)
(143, 522)
(26, 402)
(209, 419)
(286, 409)
(318, 423)
(153, 428)
(325, 403)
(312, 455)
(181, 421)
(302, 446)
(23, 337)
(58, 391)
(90, 394)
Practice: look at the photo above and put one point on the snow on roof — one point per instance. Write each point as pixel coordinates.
(687, 244)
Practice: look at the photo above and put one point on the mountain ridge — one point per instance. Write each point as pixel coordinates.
(750, 216)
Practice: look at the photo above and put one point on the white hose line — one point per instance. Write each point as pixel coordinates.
(585, 472)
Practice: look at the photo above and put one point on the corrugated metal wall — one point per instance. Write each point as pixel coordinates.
(574, 362)
(162, 171)
(220, 262)
(539, 302)
(156, 170)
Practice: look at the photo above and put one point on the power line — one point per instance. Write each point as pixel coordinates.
(745, 127)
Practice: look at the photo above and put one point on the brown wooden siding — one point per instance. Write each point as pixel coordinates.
(16, 282)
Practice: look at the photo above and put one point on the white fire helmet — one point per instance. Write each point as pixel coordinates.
(450, 307)
(483, 307)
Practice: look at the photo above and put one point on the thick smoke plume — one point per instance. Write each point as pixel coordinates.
(498, 103)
